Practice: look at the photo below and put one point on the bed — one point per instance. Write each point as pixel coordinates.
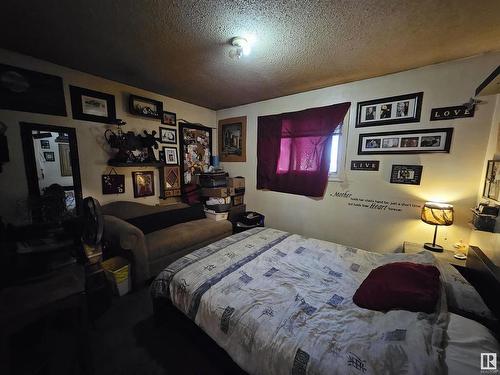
(280, 303)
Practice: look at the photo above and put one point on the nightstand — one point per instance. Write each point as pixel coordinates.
(446, 255)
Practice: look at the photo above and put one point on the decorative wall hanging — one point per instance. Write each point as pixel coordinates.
(232, 139)
(161, 156)
(387, 111)
(492, 181)
(29, 91)
(449, 113)
(171, 155)
(45, 144)
(169, 118)
(168, 135)
(49, 156)
(170, 181)
(195, 148)
(65, 160)
(113, 183)
(145, 107)
(90, 105)
(132, 149)
(406, 174)
(365, 165)
(144, 184)
(406, 142)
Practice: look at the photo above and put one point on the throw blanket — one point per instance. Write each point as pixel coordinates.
(282, 304)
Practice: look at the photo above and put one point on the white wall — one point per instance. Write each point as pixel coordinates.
(93, 149)
(452, 177)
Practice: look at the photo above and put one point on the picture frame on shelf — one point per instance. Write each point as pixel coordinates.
(399, 109)
(49, 156)
(90, 105)
(406, 174)
(145, 107)
(143, 184)
(232, 139)
(406, 142)
(169, 118)
(168, 135)
(171, 157)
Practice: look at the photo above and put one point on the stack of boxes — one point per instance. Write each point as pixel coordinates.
(224, 196)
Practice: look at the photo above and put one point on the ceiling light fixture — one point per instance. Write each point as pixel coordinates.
(242, 47)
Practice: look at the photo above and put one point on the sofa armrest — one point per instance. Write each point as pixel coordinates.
(128, 237)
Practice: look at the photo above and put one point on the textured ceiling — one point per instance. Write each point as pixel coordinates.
(180, 48)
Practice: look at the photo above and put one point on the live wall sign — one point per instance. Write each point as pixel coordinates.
(449, 113)
(364, 165)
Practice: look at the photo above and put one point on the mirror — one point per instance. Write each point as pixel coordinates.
(52, 171)
(492, 181)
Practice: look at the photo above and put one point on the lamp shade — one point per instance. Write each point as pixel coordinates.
(437, 213)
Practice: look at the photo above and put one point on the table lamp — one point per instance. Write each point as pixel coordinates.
(436, 214)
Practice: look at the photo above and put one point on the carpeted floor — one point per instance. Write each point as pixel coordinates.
(127, 340)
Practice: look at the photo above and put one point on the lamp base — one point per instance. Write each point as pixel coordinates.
(431, 247)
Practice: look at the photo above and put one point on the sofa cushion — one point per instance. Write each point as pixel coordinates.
(175, 238)
(163, 219)
(127, 210)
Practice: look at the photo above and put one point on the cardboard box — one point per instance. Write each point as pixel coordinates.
(236, 182)
(217, 216)
(215, 192)
(237, 200)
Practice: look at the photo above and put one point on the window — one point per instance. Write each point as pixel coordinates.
(337, 156)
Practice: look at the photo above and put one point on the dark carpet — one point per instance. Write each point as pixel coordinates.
(127, 339)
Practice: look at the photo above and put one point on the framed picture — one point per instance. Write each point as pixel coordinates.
(171, 155)
(168, 135)
(406, 142)
(29, 91)
(49, 156)
(65, 160)
(169, 118)
(406, 174)
(144, 184)
(145, 107)
(492, 181)
(387, 111)
(195, 142)
(90, 105)
(161, 156)
(232, 139)
(113, 183)
(45, 144)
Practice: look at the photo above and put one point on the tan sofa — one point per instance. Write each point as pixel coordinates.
(154, 251)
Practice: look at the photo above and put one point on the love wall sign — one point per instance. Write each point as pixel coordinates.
(449, 113)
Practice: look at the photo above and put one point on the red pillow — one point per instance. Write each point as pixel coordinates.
(400, 285)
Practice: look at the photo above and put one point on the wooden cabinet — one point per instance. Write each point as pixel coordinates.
(170, 181)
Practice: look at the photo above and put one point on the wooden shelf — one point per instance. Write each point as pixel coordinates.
(117, 164)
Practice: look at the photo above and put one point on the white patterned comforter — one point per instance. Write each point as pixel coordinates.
(280, 303)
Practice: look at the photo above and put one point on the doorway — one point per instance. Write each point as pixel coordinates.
(52, 171)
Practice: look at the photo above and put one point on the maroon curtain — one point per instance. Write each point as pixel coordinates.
(293, 149)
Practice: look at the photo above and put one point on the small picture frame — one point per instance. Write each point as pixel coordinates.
(171, 157)
(49, 156)
(145, 107)
(391, 110)
(169, 118)
(492, 181)
(143, 183)
(406, 142)
(161, 156)
(406, 174)
(45, 144)
(90, 105)
(168, 135)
